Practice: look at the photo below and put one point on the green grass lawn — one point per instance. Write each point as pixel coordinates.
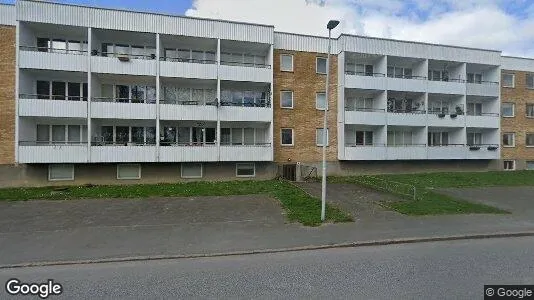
(300, 206)
(429, 202)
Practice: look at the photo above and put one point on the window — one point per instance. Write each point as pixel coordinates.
(191, 171)
(474, 78)
(530, 140)
(509, 165)
(474, 138)
(399, 72)
(60, 172)
(364, 104)
(437, 75)
(43, 89)
(364, 138)
(286, 63)
(530, 165)
(438, 138)
(58, 133)
(130, 171)
(245, 170)
(508, 110)
(400, 138)
(508, 139)
(320, 65)
(43, 134)
(530, 81)
(474, 109)
(530, 110)
(508, 80)
(319, 137)
(320, 101)
(287, 137)
(286, 99)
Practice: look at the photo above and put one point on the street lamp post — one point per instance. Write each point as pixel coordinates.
(331, 25)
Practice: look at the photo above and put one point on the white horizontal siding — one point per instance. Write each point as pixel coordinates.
(52, 108)
(8, 15)
(112, 65)
(297, 42)
(43, 12)
(188, 112)
(475, 89)
(483, 121)
(447, 152)
(408, 85)
(250, 74)
(365, 82)
(365, 153)
(517, 64)
(52, 154)
(252, 114)
(188, 153)
(188, 70)
(52, 61)
(483, 153)
(442, 87)
(123, 110)
(365, 117)
(447, 121)
(401, 153)
(110, 154)
(246, 153)
(405, 119)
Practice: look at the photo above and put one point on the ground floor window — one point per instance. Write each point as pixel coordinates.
(509, 165)
(191, 171)
(530, 165)
(131, 171)
(245, 170)
(60, 172)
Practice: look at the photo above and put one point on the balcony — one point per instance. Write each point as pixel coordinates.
(250, 72)
(37, 106)
(439, 118)
(256, 152)
(188, 68)
(483, 151)
(123, 108)
(361, 152)
(129, 152)
(450, 151)
(124, 64)
(447, 86)
(187, 110)
(483, 120)
(408, 83)
(410, 117)
(188, 152)
(362, 80)
(407, 152)
(483, 88)
(254, 111)
(368, 116)
(52, 59)
(57, 152)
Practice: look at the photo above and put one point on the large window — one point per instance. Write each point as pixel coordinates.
(530, 81)
(530, 140)
(508, 139)
(399, 72)
(438, 139)
(245, 170)
(530, 110)
(187, 55)
(125, 135)
(474, 77)
(242, 59)
(287, 137)
(508, 80)
(474, 138)
(364, 138)
(129, 171)
(61, 134)
(286, 63)
(61, 46)
(508, 110)
(60, 172)
(319, 137)
(438, 75)
(133, 51)
(60, 90)
(320, 101)
(128, 93)
(286, 99)
(320, 65)
(400, 138)
(474, 109)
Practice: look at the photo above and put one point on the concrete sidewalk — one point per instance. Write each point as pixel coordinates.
(56, 231)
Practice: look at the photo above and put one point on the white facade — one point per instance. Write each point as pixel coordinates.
(109, 86)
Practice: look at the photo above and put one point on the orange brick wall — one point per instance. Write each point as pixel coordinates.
(7, 94)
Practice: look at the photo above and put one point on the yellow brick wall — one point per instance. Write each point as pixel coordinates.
(520, 124)
(304, 118)
(7, 94)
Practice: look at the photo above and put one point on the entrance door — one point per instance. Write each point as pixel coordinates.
(289, 172)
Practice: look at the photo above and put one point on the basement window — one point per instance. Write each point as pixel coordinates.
(245, 170)
(60, 172)
(509, 165)
(128, 172)
(191, 171)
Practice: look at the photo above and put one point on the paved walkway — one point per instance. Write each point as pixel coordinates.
(37, 231)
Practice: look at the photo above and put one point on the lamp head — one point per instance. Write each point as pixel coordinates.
(332, 24)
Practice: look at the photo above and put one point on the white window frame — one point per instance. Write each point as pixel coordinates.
(526, 110)
(317, 65)
(136, 178)
(513, 140)
(475, 135)
(513, 80)
(528, 162)
(201, 170)
(292, 137)
(317, 101)
(292, 99)
(526, 81)
(513, 110)
(320, 143)
(245, 176)
(282, 64)
(526, 139)
(513, 165)
(65, 179)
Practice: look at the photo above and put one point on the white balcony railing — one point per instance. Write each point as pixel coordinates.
(52, 59)
(407, 152)
(249, 73)
(130, 152)
(483, 120)
(188, 153)
(362, 80)
(56, 152)
(183, 68)
(42, 106)
(104, 107)
(483, 88)
(365, 152)
(365, 116)
(257, 152)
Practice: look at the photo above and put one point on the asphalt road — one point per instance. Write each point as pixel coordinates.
(441, 270)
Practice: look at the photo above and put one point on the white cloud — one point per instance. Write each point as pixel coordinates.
(472, 23)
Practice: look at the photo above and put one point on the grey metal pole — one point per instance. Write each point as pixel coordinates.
(325, 131)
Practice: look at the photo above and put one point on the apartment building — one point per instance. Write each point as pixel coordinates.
(111, 96)
(517, 94)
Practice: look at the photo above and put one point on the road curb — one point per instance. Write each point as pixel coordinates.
(279, 250)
